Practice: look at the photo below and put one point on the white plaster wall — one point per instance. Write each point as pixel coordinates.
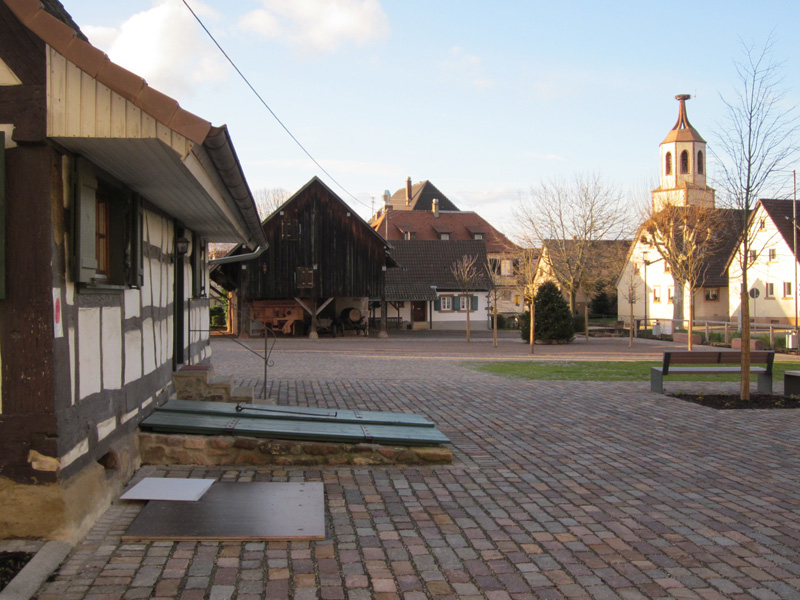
(778, 308)
(112, 347)
(89, 351)
(133, 355)
(458, 319)
(149, 346)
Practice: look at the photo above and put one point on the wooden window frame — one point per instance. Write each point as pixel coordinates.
(708, 293)
(106, 232)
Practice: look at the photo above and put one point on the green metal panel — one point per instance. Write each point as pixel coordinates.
(301, 413)
(172, 422)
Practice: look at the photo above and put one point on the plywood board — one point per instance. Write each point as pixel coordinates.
(168, 489)
(237, 511)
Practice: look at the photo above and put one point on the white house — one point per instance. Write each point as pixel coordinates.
(772, 272)
(422, 293)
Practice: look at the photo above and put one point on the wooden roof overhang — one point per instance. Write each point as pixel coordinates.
(191, 189)
(142, 137)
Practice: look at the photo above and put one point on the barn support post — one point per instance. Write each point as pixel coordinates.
(383, 333)
(313, 335)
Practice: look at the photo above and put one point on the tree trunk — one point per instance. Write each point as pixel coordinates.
(533, 325)
(745, 310)
(586, 321)
(630, 340)
(469, 304)
(691, 319)
(494, 319)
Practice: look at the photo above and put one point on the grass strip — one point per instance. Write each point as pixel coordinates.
(600, 371)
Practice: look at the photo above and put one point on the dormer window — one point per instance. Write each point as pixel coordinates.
(668, 164)
(477, 236)
(444, 236)
(700, 162)
(684, 162)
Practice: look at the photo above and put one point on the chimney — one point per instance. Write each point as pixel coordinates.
(408, 191)
(435, 208)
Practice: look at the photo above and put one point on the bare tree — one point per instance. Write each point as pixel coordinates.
(757, 139)
(630, 293)
(467, 275)
(526, 266)
(566, 219)
(608, 260)
(687, 238)
(495, 284)
(268, 200)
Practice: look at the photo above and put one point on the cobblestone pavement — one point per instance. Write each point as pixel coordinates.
(558, 490)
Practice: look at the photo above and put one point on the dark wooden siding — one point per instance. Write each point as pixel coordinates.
(27, 421)
(349, 257)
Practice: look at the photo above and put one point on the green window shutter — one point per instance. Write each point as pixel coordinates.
(136, 272)
(474, 303)
(437, 304)
(85, 213)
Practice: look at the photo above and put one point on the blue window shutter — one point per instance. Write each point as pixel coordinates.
(474, 303)
(437, 304)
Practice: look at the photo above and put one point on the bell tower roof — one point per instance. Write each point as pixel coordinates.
(683, 130)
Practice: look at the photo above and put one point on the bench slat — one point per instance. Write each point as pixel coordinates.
(708, 358)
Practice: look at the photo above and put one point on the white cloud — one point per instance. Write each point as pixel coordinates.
(317, 26)
(166, 46)
(467, 67)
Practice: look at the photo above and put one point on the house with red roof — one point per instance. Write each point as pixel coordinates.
(421, 212)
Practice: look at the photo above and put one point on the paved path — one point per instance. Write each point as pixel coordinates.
(558, 490)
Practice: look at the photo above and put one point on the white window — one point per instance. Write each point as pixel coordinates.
(477, 236)
(712, 294)
(773, 254)
(787, 289)
(752, 256)
(447, 303)
(506, 268)
(667, 268)
(463, 302)
(670, 292)
(770, 290)
(762, 224)
(657, 293)
(444, 236)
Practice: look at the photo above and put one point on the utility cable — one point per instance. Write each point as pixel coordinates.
(285, 128)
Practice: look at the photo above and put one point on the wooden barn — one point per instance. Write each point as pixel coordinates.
(323, 265)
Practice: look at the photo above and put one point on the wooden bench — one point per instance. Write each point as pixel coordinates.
(709, 359)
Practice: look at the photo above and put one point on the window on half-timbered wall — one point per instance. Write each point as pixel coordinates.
(107, 237)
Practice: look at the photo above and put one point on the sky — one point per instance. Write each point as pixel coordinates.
(484, 99)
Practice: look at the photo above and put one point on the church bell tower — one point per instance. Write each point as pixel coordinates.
(683, 166)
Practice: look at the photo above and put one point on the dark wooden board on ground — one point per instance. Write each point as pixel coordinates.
(256, 511)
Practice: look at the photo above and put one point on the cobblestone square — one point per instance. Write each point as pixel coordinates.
(580, 490)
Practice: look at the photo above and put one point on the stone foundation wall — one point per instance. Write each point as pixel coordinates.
(172, 449)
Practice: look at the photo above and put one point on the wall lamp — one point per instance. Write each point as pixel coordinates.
(181, 246)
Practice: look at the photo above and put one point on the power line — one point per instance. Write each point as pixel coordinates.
(285, 128)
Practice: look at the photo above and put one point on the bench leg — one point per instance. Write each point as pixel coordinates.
(656, 380)
(764, 383)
